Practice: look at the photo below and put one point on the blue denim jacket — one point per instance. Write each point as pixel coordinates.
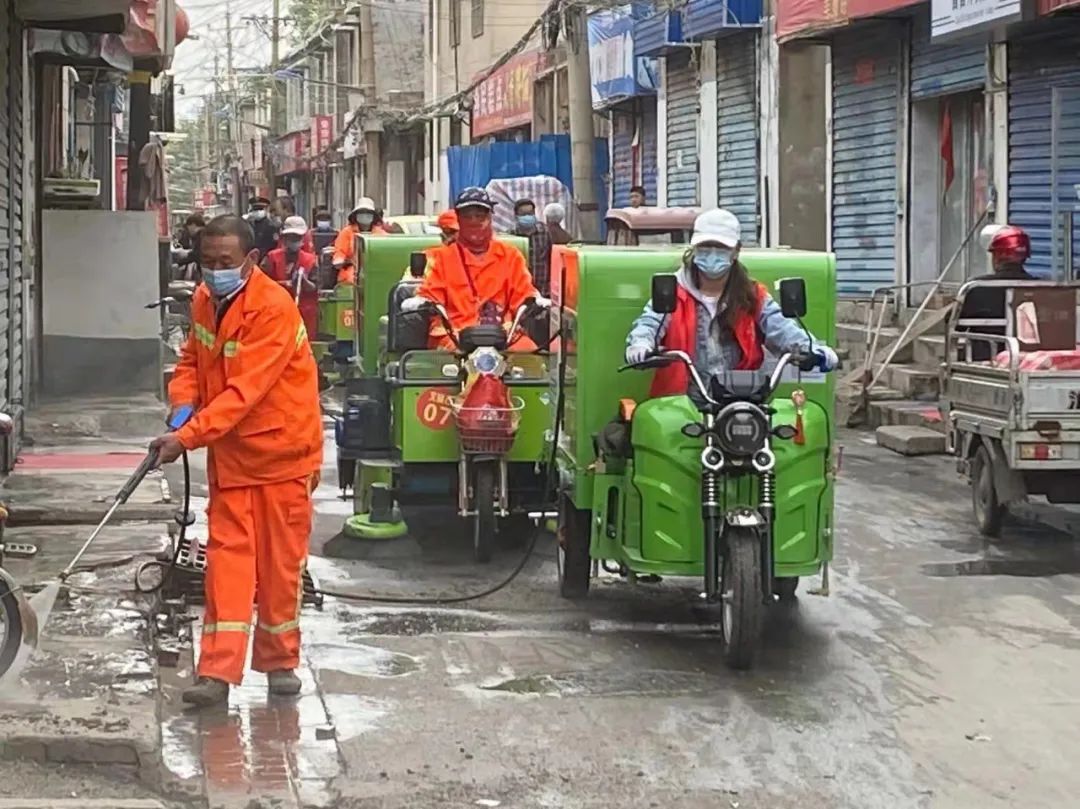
(713, 355)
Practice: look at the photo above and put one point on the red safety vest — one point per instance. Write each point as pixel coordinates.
(674, 379)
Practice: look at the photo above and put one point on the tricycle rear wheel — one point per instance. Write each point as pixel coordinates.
(741, 602)
(484, 523)
(575, 565)
(988, 510)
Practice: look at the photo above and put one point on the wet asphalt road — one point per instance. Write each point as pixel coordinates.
(941, 672)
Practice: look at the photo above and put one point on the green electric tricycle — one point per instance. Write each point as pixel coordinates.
(407, 435)
(733, 486)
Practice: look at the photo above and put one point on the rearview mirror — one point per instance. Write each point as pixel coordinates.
(793, 297)
(417, 265)
(664, 294)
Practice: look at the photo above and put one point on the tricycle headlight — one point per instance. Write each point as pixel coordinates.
(742, 429)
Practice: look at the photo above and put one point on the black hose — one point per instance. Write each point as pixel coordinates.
(181, 538)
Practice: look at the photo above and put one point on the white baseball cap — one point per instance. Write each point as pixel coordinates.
(364, 204)
(294, 226)
(717, 226)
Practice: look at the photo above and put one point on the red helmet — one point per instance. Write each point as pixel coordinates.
(1010, 245)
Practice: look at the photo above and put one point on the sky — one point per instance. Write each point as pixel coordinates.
(193, 64)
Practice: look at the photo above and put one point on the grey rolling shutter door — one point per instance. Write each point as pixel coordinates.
(682, 121)
(865, 86)
(16, 316)
(648, 148)
(622, 157)
(737, 131)
(944, 68)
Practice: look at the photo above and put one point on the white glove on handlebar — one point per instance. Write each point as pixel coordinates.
(637, 353)
(414, 304)
(541, 302)
(829, 360)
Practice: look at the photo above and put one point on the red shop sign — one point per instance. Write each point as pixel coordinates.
(322, 134)
(504, 99)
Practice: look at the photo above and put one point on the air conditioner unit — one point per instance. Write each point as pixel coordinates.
(74, 190)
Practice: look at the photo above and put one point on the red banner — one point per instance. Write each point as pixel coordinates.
(504, 99)
(1050, 6)
(803, 17)
(292, 152)
(322, 134)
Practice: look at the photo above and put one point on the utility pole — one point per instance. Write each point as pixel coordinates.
(374, 184)
(275, 93)
(234, 110)
(582, 135)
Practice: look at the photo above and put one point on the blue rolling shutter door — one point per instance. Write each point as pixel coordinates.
(649, 147)
(942, 69)
(1036, 66)
(682, 122)
(622, 157)
(865, 86)
(737, 130)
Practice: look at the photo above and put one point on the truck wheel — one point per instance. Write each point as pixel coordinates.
(989, 513)
(484, 524)
(11, 627)
(575, 566)
(742, 606)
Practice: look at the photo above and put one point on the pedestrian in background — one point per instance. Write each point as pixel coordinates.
(248, 372)
(528, 226)
(554, 216)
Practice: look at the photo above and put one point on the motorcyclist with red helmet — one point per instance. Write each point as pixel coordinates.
(1009, 247)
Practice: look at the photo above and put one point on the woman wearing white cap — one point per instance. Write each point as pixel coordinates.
(723, 319)
(294, 268)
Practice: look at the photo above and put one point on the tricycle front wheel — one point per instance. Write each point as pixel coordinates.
(988, 510)
(11, 625)
(484, 523)
(741, 601)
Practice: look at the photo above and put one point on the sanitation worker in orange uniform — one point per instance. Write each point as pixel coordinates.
(248, 371)
(476, 278)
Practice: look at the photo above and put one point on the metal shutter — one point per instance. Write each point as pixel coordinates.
(940, 69)
(682, 122)
(622, 156)
(737, 130)
(11, 223)
(865, 86)
(649, 146)
(1036, 66)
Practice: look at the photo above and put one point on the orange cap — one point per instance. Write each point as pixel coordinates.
(448, 220)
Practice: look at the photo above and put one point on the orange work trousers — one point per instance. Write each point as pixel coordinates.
(256, 553)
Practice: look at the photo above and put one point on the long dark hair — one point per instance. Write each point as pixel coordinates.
(740, 294)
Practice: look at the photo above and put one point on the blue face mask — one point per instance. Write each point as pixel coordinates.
(526, 221)
(714, 262)
(223, 283)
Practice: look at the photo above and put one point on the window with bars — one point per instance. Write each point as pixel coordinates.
(477, 18)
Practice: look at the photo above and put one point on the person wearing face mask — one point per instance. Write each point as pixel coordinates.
(361, 220)
(476, 279)
(527, 225)
(293, 266)
(448, 226)
(266, 232)
(723, 318)
(248, 372)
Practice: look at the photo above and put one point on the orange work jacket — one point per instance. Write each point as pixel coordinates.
(254, 384)
(464, 282)
(345, 251)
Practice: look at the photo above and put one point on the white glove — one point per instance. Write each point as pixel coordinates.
(828, 361)
(541, 302)
(414, 304)
(637, 353)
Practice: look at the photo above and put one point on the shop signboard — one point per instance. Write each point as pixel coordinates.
(504, 100)
(964, 17)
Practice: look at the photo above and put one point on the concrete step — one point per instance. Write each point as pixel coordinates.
(907, 315)
(913, 382)
(849, 403)
(905, 412)
(857, 312)
(853, 338)
(908, 440)
(930, 351)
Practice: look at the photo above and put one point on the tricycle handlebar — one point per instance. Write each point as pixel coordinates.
(664, 357)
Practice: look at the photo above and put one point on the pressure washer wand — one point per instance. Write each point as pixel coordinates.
(122, 496)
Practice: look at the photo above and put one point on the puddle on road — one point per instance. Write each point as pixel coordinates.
(362, 661)
(353, 715)
(1026, 568)
(639, 683)
(414, 623)
(179, 737)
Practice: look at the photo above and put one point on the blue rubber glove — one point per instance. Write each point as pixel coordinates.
(827, 359)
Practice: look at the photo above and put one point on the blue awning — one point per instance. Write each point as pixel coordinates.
(655, 35)
(706, 18)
